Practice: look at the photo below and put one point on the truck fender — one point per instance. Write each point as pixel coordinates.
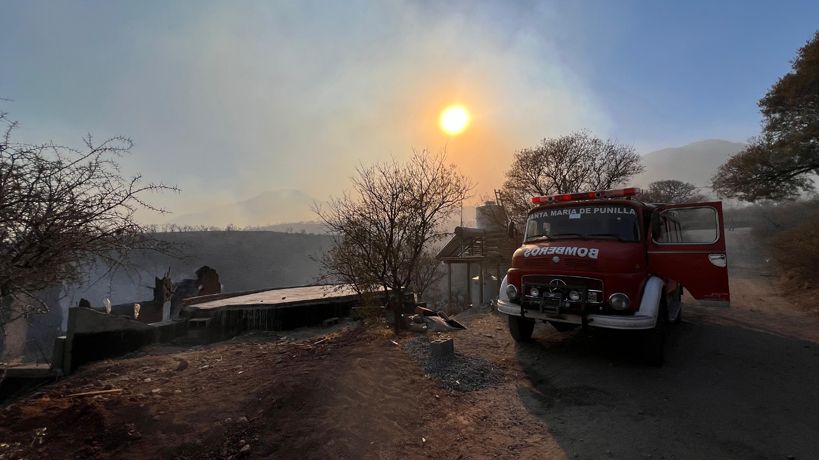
(502, 294)
(652, 294)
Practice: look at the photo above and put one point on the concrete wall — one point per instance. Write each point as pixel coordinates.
(227, 323)
(94, 335)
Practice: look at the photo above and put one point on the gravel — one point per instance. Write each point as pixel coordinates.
(460, 372)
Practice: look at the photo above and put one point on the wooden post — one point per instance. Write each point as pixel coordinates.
(468, 285)
(449, 283)
(480, 283)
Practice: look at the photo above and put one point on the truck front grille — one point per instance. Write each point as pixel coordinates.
(552, 294)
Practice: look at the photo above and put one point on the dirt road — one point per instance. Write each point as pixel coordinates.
(725, 392)
(738, 383)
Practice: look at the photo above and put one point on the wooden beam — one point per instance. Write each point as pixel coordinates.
(480, 282)
(468, 285)
(95, 393)
(449, 284)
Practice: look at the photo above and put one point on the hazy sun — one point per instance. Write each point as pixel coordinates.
(454, 120)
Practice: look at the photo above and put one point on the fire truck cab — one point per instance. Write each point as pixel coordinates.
(607, 260)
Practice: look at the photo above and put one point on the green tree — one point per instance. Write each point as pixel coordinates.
(671, 191)
(576, 162)
(780, 163)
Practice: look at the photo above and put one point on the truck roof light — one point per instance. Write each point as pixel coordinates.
(615, 193)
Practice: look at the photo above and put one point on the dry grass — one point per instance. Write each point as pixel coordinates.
(790, 233)
(796, 251)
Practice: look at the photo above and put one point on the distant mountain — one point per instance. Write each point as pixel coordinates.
(695, 163)
(271, 207)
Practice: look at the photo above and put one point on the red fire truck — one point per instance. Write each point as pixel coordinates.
(607, 260)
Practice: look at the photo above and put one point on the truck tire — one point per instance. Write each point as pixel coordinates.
(521, 328)
(676, 300)
(653, 342)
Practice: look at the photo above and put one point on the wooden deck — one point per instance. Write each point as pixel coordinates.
(278, 298)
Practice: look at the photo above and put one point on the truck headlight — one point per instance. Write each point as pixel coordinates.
(574, 296)
(534, 292)
(618, 301)
(512, 292)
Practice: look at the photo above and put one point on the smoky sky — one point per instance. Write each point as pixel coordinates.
(230, 99)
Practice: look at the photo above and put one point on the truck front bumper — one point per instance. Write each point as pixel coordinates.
(637, 321)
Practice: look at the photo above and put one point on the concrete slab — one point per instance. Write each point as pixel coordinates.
(278, 298)
(27, 371)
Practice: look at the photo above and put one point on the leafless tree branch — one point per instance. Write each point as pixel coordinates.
(62, 210)
(382, 227)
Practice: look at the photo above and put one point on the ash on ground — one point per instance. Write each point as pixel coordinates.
(457, 373)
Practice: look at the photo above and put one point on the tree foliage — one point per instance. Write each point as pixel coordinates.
(384, 224)
(572, 163)
(63, 209)
(671, 191)
(780, 162)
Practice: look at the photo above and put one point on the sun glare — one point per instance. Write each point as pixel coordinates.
(454, 120)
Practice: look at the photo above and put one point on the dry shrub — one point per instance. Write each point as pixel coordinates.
(796, 251)
(370, 310)
(789, 232)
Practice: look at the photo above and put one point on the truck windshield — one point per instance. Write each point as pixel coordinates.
(600, 221)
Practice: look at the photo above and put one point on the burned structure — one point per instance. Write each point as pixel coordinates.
(483, 252)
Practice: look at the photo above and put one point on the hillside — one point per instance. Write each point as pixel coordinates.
(245, 260)
(270, 207)
(695, 163)
(315, 227)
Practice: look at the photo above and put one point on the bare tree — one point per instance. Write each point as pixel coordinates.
(382, 226)
(428, 271)
(573, 163)
(62, 210)
(671, 191)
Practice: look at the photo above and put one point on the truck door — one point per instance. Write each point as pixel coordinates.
(687, 244)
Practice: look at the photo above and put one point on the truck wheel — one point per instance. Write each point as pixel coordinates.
(654, 341)
(676, 300)
(521, 328)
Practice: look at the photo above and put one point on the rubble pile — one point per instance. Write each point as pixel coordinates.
(426, 320)
(459, 372)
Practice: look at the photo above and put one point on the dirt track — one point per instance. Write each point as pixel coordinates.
(738, 383)
(725, 392)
